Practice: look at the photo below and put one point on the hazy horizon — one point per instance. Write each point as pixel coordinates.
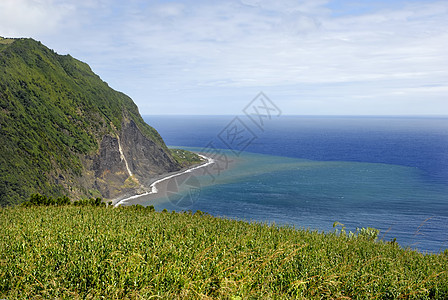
(309, 115)
(207, 57)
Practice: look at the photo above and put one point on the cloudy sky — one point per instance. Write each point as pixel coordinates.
(311, 57)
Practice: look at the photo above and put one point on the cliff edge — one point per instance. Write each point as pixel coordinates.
(64, 131)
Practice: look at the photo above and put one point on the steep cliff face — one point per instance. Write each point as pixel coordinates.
(145, 157)
(64, 131)
(127, 159)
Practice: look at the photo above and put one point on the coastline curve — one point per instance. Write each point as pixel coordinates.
(153, 189)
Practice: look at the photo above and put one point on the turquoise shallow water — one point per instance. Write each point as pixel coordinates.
(315, 194)
(384, 172)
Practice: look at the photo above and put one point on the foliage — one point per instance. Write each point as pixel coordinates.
(89, 202)
(366, 233)
(53, 111)
(134, 253)
(42, 200)
(185, 158)
(5, 41)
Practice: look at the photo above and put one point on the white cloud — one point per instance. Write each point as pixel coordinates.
(31, 17)
(188, 49)
(289, 6)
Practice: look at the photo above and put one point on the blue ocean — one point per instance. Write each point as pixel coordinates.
(389, 173)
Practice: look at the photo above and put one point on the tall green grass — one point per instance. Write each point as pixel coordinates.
(97, 252)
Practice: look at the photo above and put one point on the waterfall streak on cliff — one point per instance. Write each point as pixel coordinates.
(123, 157)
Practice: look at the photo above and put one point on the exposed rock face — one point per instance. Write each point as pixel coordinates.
(110, 171)
(125, 161)
(108, 160)
(145, 157)
(64, 131)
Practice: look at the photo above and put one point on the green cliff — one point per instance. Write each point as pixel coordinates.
(63, 131)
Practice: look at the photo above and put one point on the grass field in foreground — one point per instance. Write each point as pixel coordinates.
(93, 252)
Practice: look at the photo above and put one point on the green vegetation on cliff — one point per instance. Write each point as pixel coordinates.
(54, 112)
(94, 252)
(186, 158)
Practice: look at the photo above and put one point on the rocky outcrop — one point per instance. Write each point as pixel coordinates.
(144, 156)
(126, 160)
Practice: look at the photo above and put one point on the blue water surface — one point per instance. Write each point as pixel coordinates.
(390, 173)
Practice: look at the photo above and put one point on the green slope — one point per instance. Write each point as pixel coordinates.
(136, 253)
(53, 112)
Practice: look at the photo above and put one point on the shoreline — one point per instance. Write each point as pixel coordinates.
(153, 188)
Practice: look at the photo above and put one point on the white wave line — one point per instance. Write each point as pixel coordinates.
(153, 185)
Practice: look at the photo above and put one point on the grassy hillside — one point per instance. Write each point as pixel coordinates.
(133, 253)
(185, 158)
(53, 111)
